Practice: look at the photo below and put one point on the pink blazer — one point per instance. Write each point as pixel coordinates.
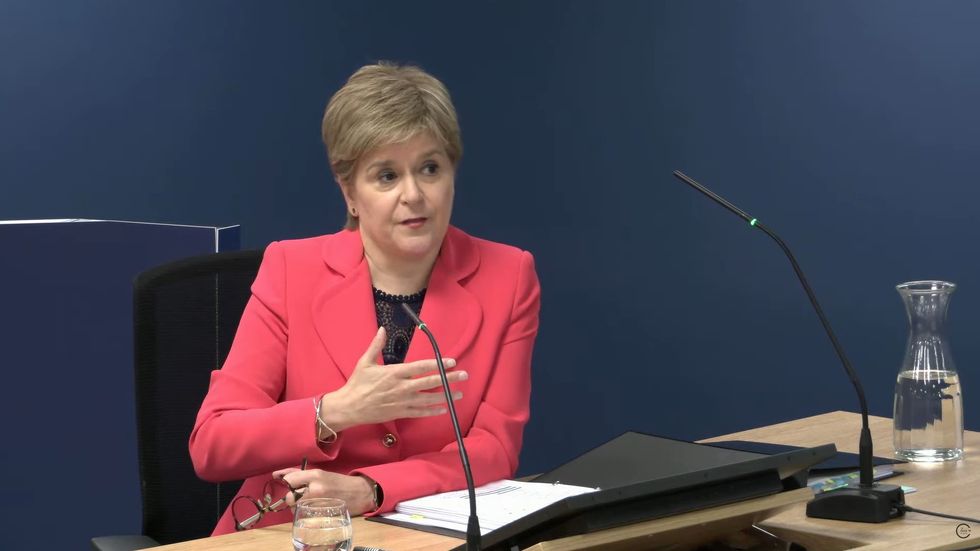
(311, 316)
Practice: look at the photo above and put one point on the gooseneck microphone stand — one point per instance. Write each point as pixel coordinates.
(865, 501)
(473, 525)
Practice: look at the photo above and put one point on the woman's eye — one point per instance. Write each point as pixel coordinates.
(386, 176)
(430, 169)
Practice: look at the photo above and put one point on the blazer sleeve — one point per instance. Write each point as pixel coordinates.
(494, 440)
(242, 429)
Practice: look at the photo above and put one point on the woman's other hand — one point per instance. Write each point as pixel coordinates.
(356, 491)
(379, 393)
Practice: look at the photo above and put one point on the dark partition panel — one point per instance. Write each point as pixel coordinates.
(67, 353)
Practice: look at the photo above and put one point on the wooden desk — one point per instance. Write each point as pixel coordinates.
(952, 488)
(279, 538)
(948, 488)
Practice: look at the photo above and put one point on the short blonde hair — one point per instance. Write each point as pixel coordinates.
(383, 104)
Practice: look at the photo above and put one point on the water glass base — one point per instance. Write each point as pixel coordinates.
(930, 455)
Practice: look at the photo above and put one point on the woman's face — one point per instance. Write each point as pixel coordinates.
(403, 196)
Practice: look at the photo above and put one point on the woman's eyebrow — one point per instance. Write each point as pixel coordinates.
(384, 162)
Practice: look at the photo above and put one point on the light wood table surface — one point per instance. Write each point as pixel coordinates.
(949, 488)
(279, 538)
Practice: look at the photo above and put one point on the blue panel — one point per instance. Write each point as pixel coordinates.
(229, 239)
(67, 351)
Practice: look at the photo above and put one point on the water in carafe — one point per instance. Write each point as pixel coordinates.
(928, 416)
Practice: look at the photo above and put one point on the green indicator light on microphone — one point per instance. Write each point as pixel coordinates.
(753, 221)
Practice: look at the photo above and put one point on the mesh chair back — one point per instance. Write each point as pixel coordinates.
(185, 317)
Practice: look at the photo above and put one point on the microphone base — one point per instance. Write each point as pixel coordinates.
(854, 503)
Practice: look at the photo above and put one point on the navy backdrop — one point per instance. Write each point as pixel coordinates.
(852, 128)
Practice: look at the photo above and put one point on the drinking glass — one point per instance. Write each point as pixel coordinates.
(322, 524)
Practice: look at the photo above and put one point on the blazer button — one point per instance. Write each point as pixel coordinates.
(389, 440)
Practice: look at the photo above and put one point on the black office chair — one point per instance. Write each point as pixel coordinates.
(185, 317)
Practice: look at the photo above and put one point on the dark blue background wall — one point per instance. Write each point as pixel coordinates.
(852, 128)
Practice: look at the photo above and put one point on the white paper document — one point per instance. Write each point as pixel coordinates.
(497, 504)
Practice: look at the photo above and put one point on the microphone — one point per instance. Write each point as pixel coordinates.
(866, 501)
(473, 526)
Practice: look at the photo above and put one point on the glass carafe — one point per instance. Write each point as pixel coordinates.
(928, 400)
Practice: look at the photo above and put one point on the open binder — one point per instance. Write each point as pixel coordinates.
(643, 477)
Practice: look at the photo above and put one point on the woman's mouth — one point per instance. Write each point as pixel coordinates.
(414, 223)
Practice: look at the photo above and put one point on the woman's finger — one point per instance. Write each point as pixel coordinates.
(370, 356)
(420, 367)
(425, 411)
(297, 478)
(433, 398)
(283, 472)
(435, 381)
(296, 495)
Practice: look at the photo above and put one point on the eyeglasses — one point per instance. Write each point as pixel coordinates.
(247, 510)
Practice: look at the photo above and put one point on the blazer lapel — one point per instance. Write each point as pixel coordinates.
(451, 312)
(343, 305)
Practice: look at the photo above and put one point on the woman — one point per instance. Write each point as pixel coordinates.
(325, 365)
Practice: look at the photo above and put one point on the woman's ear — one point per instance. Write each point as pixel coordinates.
(347, 191)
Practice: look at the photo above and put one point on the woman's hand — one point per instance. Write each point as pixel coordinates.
(356, 491)
(379, 393)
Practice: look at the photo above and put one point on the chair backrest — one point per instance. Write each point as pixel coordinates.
(185, 317)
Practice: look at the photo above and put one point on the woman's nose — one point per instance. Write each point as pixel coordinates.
(410, 190)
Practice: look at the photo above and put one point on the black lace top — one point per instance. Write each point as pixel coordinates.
(397, 324)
